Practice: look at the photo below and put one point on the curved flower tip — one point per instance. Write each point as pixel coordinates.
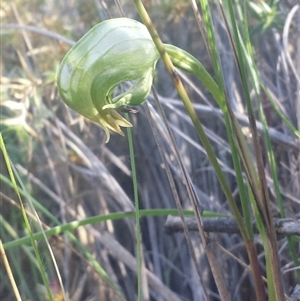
(110, 119)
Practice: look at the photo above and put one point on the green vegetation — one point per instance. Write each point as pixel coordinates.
(85, 220)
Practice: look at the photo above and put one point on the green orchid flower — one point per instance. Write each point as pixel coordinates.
(114, 51)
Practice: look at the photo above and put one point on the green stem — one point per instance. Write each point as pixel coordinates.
(137, 214)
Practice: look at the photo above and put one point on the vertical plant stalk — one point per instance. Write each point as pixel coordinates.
(239, 141)
(260, 188)
(137, 215)
(260, 90)
(233, 126)
(223, 292)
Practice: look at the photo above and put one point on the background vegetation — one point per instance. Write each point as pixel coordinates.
(68, 173)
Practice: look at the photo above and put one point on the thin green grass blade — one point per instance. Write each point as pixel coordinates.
(221, 100)
(8, 233)
(213, 50)
(240, 145)
(26, 221)
(63, 228)
(280, 113)
(95, 264)
(188, 63)
(257, 86)
(245, 62)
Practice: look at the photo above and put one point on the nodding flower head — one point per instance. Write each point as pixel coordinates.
(112, 52)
